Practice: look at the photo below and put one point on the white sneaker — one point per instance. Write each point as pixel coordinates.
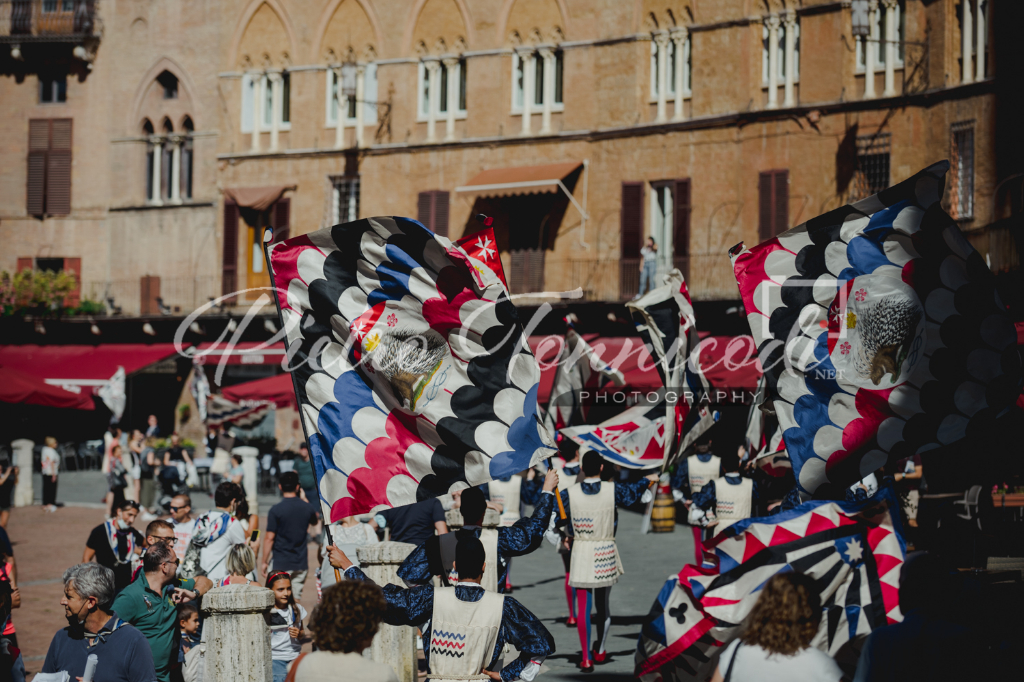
(147, 517)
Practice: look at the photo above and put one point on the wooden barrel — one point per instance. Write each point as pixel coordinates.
(663, 515)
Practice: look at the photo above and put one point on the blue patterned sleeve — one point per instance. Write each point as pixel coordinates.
(681, 478)
(627, 494)
(524, 631)
(527, 533)
(415, 570)
(705, 499)
(529, 491)
(406, 605)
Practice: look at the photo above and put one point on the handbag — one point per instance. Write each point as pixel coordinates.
(295, 666)
(732, 662)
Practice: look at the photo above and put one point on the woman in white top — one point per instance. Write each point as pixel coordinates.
(347, 535)
(50, 462)
(776, 644)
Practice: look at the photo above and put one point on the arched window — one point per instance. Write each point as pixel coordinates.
(186, 159)
(147, 130)
(166, 160)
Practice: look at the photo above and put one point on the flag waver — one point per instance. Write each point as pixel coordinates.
(880, 332)
(411, 369)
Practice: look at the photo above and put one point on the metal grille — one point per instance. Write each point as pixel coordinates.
(961, 176)
(345, 199)
(872, 174)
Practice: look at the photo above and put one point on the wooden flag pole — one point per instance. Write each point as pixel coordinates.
(268, 236)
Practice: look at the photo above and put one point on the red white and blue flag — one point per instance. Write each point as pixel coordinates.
(633, 439)
(880, 332)
(412, 372)
(854, 551)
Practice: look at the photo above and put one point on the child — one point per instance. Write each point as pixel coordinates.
(286, 633)
(188, 621)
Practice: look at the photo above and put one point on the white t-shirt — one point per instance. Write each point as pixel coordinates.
(213, 557)
(754, 664)
(182, 534)
(282, 646)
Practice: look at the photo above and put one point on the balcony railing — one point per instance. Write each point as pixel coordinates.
(44, 20)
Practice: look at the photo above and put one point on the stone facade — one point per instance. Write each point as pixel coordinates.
(706, 114)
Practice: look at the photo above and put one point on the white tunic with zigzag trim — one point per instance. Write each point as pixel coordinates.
(702, 472)
(732, 502)
(595, 558)
(463, 634)
(507, 493)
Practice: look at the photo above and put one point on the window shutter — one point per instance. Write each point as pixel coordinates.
(24, 264)
(441, 213)
(149, 287)
(58, 169)
(681, 231)
(425, 209)
(780, 222)
(765, 194)
(282, 214)
(229, 261)
(631, 219)
(74, 265)
(38, 145)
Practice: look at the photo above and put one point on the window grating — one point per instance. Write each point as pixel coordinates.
(872, 174)
(961, 176)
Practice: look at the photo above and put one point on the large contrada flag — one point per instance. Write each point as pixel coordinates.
(880, 332)
(666, 323)
(854, 551)
(633, 439)
(411, 369)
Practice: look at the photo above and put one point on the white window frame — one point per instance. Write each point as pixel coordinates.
(662, 222)
(671, 76)
(422, 96)
(245, 122)
(517, 90)
(781, 77)
(369, 95)
(877, 41)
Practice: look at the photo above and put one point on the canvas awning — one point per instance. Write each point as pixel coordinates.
(27, 389)
(80, 365)
(501, 182)
(242, 353)
(256, 198)
(277, 389)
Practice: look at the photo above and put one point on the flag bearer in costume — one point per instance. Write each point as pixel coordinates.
(725, 500)
(696, 471)
(435, 556)
(595, 566)
(468, 625)
(512, 493)
(568, 469)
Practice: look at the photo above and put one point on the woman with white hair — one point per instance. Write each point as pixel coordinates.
(50, 464)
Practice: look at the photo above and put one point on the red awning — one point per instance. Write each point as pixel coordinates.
(245, 353)
(277, 389)
(21, 388)
(83, 365)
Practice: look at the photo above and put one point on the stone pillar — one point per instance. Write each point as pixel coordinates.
(890, 48)
(237, 634)
(870, 50)
(360, 95)
(275, 109)
(257, 110)
(966, 34)
(175, 179)
(23, 493)
(979, 44)
(661, 40)
(434, 92)
(158, 164)
(790, 94)
(251, 477)
(453, 97)
(453, 517)
(394, 644)
(773, 61)
(680, 39)
(548, 88)
(528, 88)
(339, 130)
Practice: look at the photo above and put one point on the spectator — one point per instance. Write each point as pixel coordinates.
(236, 474)
(148, 465)
(12, 665)
(413, 523)
(161, 532)
(50, 464)
(241, 563)
(288, 524)
(347, 535)
(133, 463)
(182, 522)
(176, 453)
(343, 625)
(648, 266)
(188, 623)
(286, 633)
(117, 477)
(93, 628)
(8, 579)
(153, 430)
(776, 644)
(307, 476)
(214, 534)
(8, 479)
(115, 544)
(150, 604)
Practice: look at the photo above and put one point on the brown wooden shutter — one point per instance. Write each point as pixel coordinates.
(229, 260)
(58, 169)
(681, 235)
(425, 209)
(282, 215)
(765, 210)
(25, 264)
(38, 146)
(74, 265)
(149, 286)
(780, 222)
(441, 199)
(631, 219)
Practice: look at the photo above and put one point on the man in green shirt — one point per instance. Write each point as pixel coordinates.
(150, 604)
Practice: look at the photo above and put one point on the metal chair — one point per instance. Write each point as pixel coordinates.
(970, 505)
(68, 453)
(90, 452)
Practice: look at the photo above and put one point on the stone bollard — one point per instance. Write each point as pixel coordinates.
(237, 634)
(251, 478)
(24, 496)
(394, 645)
(453, 517)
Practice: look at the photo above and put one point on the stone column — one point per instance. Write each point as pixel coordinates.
(251, 477)
(453, 97)
(453, 517)
(275, 109)
(870, 47)
(23, 493)
(237, 634)
(175, 179)
(257, 110)
(979, 44)
(528, 87)
(790, 94)
(773, 61)
(158, 164)
(680, 39)
(966, 34)
(548, 88)
(360, 96)
(890, 48)
(394, 645)
(661, 40)
(339, 130)
(434, 74)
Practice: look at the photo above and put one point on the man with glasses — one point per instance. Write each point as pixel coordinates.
(182, 523)
(150, 603)
(116, 544)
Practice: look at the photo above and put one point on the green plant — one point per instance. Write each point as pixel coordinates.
(89, 307)
(36, 292)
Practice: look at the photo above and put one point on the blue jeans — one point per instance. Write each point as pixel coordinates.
(647, 276)
(280, 669)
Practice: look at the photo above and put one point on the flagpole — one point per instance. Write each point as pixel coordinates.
(268, 235)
